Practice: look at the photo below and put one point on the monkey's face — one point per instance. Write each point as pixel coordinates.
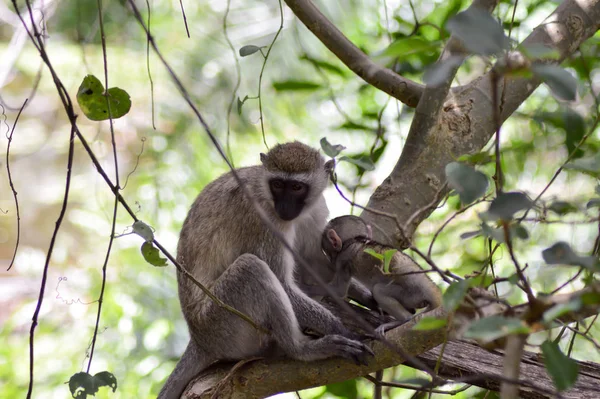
(289, 197)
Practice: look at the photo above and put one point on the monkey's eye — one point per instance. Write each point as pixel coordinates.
(297, 187)
(277, 185)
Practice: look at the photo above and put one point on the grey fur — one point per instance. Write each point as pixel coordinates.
(399, 293)
(225, 245)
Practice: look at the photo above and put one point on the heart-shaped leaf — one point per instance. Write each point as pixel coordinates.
(562, 369)
(454, 295)
(83, 384)
(497, 233)
(561, 82)
(588, 165)
(152, 255)
(91, 98)
(562, 254)
(562, 207)
(561, 309)
(479, 32)
(494, 327)
(469, 183)
(363, 163)
(505, 205)
(331, 150)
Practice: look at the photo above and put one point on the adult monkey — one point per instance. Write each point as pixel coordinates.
(225, 245)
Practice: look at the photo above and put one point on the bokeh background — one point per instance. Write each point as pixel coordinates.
(165, 158)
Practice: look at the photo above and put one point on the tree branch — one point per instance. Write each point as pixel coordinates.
(267, 377)
(466, 123)
(405, 90)
(458, 363)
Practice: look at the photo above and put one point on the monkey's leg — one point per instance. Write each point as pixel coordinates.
(385, 295)
(250, 286)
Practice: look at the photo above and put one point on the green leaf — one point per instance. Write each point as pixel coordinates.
(470, 234)
(324, 65)
(296, 85)
(469, 183)
(105, 379)
(561, 309)
(535, 51)
(593, 203)
(588, 165)
(479, 32)
(562, 207)
(387, 258)
(497, 233)
(506, 205)
(374, 254)
(364, 163)
(82, 384)
(349, 125)
(574, 129)
(92, 100)
(454, 295)
(346, 389)
(332, 150)
(152, 255)
(561, 82)
(248, 50)
(570, 122)
(143, 230)
(430, 323)
(494, 327)
(409, 45)
(590, 298)
(562, 254)
(562, 369)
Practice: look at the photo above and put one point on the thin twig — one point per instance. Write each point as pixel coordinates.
(262, 70)
(117, 186)
(238, 74)
(187, 29)
(149, 72)
(12, 186)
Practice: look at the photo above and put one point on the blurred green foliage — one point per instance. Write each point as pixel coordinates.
(142, 332)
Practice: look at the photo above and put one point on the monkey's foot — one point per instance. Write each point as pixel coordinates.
(381, 330)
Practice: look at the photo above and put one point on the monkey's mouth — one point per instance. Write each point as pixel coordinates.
(287, 211)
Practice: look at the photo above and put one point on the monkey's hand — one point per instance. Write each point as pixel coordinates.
(350, 349)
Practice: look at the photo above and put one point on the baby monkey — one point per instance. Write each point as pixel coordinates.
(398, 292)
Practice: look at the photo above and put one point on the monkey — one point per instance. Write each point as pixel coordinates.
(226, 246)
(398, 292)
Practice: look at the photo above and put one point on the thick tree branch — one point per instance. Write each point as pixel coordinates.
(405, 90)
(458, 363)
(466, 123)
(268, 377)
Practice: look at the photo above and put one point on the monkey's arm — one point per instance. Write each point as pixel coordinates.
(313, 315)
(362, 295)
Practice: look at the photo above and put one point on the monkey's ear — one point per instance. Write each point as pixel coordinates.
(334, 240)
(329, 166)
(263, 158)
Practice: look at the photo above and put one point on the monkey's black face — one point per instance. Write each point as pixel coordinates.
(289, 197)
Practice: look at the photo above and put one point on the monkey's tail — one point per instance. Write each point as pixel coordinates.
(192, 362)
